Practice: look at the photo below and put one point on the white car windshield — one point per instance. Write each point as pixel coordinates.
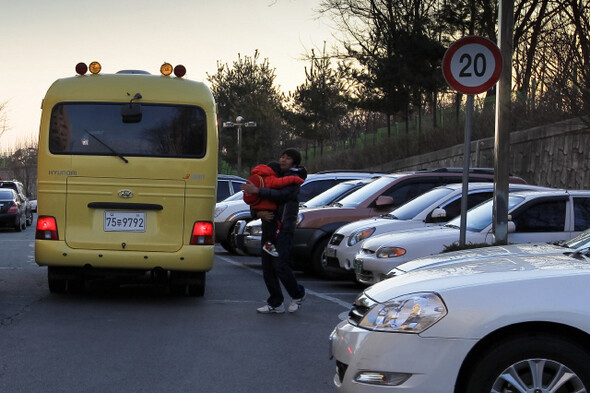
(480, 217)
(580, 241)
(332, 194)
(417, 205)
(362, 194)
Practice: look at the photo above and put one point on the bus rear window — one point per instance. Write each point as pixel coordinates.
(98, 129)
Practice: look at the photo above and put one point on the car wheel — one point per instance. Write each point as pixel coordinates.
(539, 363)
(197, 286)
(30, 219)
(76, 286)
(18, 226)
(56, 285)
(228, 246)
(319, 263)
(191, 283)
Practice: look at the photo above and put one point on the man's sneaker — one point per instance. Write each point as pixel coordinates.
(270, 249)
(296, 304)
(271, 310)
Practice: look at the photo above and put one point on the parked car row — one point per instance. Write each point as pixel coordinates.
(316, 225)
(16, 210)
(229, 211)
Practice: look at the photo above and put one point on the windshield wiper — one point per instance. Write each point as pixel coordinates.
(108, 147)
(452, 226)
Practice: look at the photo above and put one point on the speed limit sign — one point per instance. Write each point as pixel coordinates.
(472, 65)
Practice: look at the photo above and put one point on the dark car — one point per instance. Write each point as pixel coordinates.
(12, 210)
(20, 190)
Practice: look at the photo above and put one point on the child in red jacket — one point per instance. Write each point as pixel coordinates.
(266, 176)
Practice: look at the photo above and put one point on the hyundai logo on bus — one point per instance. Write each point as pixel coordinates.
(125, 194)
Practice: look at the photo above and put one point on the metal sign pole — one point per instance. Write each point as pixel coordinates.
(466, 163)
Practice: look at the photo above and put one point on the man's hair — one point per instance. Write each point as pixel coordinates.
(294, 154)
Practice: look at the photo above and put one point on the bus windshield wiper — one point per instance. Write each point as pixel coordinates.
(108, 147)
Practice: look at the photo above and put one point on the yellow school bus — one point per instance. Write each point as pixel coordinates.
(126, 183)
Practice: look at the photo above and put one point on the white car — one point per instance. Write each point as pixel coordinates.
(434, 207)
(536, 216)
(497, 324)
(227, 213)
(578, 244)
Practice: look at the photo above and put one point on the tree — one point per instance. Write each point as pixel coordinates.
(247, 89)
(3, 126)
(395, 45)
(22, 163)
(319, 103)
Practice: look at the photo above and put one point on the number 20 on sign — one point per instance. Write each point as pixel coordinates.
(472, 65)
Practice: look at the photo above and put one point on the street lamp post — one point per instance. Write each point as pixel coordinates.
(239, 124)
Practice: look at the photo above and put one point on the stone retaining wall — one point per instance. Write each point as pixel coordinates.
(553, 156)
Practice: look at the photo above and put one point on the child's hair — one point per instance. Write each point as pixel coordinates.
(275, 166)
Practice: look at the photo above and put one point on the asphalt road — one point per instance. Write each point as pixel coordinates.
(139, 338)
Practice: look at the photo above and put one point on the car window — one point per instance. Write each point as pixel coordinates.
(6, 194)
(222, 190)
(313, 188)
(409, 190)
(480, 217)
(236, 186)
(453, 209)
(411, 209)
(361, 195)
(582, 214)
(542, 216)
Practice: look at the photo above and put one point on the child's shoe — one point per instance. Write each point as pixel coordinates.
(270, 249)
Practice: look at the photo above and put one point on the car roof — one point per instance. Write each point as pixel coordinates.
(230, 177)
(543, 191)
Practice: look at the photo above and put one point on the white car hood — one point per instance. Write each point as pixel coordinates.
(482, 253)
(506, 271)
(424, 237)
(379, 223)
(231, 207)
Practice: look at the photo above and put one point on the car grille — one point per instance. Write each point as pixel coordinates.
(332, 262)
(367, 251)
(357, 313)
(336, 239)
(341, 370)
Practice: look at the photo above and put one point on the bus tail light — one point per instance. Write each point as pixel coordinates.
(202, 233)
(46, 228)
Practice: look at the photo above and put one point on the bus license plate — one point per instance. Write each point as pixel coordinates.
(115, 221)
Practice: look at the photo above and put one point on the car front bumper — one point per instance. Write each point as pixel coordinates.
(423, 364)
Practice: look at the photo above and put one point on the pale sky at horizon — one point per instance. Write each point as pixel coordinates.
(44, 40)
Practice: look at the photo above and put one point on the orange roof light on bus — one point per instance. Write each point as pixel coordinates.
(95, 67)
(166, 69)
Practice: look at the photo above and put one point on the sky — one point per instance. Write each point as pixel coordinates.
(41, 41)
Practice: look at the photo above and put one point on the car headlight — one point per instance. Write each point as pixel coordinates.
(411, 313)
(390, 252)
(299, 218)
(361, 235)
(219, 209)
(256, 230)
